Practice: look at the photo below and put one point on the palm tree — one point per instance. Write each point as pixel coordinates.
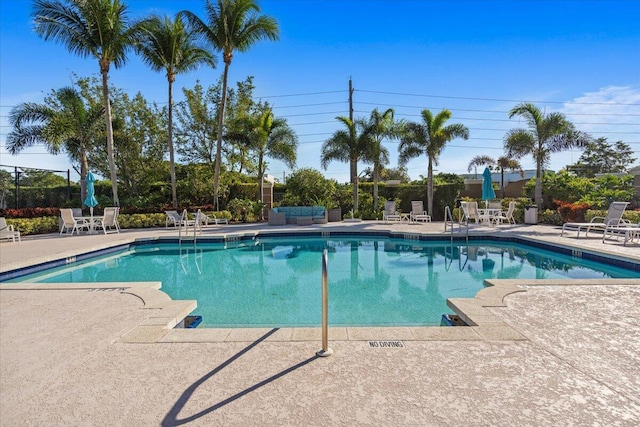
(429, 137)
(480, 160)
(506, 162)
(97, 28)
(62, 123)
(274, 138)
(547, 134)
(233, 25)
(503, 162)
(346, 145)
(168, 45)
(378, 127)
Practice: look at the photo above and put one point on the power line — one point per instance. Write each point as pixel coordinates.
(493, 99)
(422, 107)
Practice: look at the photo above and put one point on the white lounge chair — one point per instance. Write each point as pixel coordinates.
(613, 218)
(630, 232)
(70, 222)
(109, 220)
(418, 213)
(506, 216)
(173, 218)
(7, 231)
(390, 213)
(205, 219)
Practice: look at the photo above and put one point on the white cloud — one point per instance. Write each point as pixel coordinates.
(611, 111)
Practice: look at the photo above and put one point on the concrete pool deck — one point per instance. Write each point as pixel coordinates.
(65, 359)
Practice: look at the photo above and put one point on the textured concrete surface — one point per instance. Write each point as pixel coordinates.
(63, 360)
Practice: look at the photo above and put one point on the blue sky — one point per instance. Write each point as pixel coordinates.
(475, 58)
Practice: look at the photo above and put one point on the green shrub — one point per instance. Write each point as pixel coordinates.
(42, 225)
(142, 220)
(241, 210)
(550, 216)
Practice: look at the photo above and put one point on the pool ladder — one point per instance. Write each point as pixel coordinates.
(325, 351)
(449, 222)
(184, 225)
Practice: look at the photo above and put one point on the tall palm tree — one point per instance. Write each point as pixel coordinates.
(271, 137)
(232, 25)
(429, 137)
(168, 45)
(62, 123)
(378, 127)
(546, 134)
(346, 145)
(97, 28)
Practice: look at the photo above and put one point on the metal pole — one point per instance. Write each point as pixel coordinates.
(326, 351)
(17, 187)
(68, 185)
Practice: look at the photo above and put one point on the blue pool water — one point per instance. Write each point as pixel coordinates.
(372, 281)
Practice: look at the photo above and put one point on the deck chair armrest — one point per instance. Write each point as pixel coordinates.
(597, 217)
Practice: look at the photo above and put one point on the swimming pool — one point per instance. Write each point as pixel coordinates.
(373, 281)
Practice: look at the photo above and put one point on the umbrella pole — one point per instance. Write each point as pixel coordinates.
(91, 230)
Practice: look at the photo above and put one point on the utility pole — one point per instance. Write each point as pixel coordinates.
(354, 165)
(350, 99)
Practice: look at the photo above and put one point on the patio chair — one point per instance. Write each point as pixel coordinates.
(109, 220)
(613, 218)
(70, 222)
(470, 211)
(506, 216)
(173, 217)
(418, 213)
(390, 213)
(205, 219)
(494, 205)
(7, 231)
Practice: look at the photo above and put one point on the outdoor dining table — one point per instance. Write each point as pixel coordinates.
(487, 214)
(92, 221)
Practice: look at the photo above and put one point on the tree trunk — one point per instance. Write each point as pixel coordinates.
(260, 179)
(172, 164)
(112, 162)
(375, 188)
(223, 101)
(430, 187)
(538, 188)
(84, 168)
(354, 182)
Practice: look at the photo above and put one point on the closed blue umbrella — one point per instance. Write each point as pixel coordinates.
(91, 200)
(487, 186)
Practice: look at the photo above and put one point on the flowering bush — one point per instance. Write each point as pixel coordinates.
(29, 212)
(572, 212)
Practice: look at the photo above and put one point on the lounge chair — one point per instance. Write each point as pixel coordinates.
(7, 231)
(630, 232)
(173, 217)
(70, 222)
(506, 216)
(109, 220)
(613, 218)
(390, 213)
(418, 213)
(205, 219)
